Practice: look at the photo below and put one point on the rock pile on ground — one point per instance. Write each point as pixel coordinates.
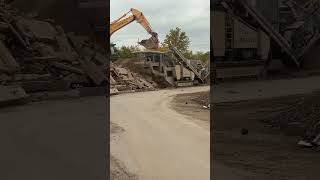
(203, 98)
(123, 80)
(302, 116)
(37, 55)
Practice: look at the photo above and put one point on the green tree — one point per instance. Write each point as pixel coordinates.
(127, 51)
(115, 54)
(202, 56)
(178, 38)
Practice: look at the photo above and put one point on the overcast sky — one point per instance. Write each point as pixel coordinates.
(192, 16)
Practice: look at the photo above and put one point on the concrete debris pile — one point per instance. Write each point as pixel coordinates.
(203, 99)
(123, 80)
(301, 118)
(37, 55)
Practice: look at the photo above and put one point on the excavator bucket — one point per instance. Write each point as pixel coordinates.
(151, 43)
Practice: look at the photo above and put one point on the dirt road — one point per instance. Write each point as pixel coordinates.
(194, 108)
(51, 140)
(254, 90)
(157, 142)
(266, 152)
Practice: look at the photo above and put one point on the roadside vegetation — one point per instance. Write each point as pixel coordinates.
(175, 37)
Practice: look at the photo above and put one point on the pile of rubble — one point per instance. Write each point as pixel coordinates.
(203, 99)
(300, 118)
(123, 80)
(37, 55)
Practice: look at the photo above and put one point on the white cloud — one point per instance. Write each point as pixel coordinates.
(192, 16)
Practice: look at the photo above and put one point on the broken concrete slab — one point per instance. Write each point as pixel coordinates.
(316, 140)
(68, 57)
(41, 59)
(76, 78)
(100, 59)
(112, 81)
(130, 76)
(305, 144)
(44, 49)
(4, 27)
(66, 51)
(93, 71)
(127, 91)
(88, 52)
(3, 37)
(7, 61)
(17, 36)
(62, 40)
(34, 68)
(5, 77)
(76, 41)
(127, 81)
(4, 70)
(30, 77)
(146, 83)
(37, 30)
(12, 95)
(122, 71)
(138, 83)
(67, 68)
(123, 87)
(113, 91)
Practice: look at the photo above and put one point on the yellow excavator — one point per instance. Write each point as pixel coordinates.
(151, 43)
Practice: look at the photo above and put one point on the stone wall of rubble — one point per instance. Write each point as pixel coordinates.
(33, 49)
(77, 21)
(299, 118)
(37, 55)
(124, 80)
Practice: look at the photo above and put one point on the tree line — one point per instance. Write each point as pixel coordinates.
(176, 37)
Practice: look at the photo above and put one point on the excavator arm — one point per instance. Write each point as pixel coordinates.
(120, 23)
(151, 43)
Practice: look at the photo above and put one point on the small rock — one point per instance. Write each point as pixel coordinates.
(244, 131)
(304, 143)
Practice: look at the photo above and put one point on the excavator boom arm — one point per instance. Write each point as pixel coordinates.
(136, 16)
(152, 43)
(116, 25)
(140, 18)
